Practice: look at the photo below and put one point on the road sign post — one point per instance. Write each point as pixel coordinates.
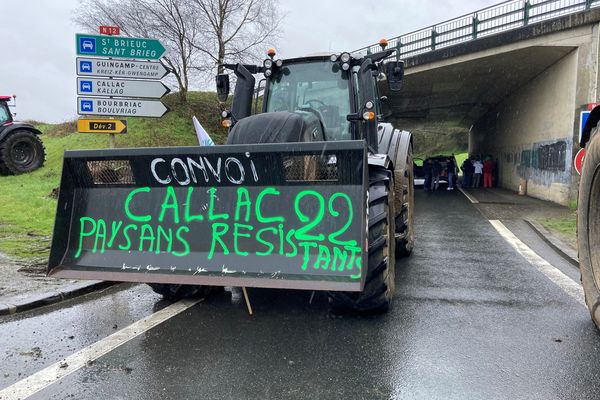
(119, 47)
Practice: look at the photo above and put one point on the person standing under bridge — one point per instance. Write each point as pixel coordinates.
(488, 170)
(478, 170)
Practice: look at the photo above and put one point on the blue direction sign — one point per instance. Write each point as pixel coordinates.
(118, 46)
(120, 68)
(90, 86)
(120, 107)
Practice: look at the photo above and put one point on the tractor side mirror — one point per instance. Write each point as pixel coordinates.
(394, 71)
(222, 87)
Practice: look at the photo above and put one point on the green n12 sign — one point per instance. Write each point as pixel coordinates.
(118, 46)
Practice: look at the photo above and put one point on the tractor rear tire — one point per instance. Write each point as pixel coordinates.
(406, 203)
(379, 286)
(176, 292)
(20, 152)
(588, 227)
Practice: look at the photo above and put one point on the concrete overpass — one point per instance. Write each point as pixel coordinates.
(514, 77)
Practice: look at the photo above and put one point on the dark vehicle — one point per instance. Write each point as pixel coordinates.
(21, 150)
(315, 192)
(588, 216)
(419, 169)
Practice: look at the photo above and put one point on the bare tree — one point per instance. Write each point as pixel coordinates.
(234, 29)
(170, 21)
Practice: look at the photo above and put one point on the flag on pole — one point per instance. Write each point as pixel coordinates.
(203, 138)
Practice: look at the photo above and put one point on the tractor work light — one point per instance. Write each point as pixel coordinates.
(268, 73)
(368, 115)
(224, 114)
(333, 58)
(345, 66)
(268, 63)
(369, 104)
(279, 63)
(345, 57)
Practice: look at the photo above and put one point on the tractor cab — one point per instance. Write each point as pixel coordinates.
(335, 96)
(5, 114)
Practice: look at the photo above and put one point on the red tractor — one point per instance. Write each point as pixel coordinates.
(21, 149)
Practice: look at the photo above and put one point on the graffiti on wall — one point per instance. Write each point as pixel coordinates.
(544, 162)
(547, 157)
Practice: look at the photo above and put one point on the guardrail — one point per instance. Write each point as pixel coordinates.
(502, 17)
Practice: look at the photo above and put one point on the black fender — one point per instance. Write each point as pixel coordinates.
(393, 147)
(18, 126)
(590, 124)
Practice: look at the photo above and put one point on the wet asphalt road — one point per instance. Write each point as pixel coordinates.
(472, 319)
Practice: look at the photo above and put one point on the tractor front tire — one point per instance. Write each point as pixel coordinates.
(176, 292)
(379, 286)
(20, 152)
(588, 227)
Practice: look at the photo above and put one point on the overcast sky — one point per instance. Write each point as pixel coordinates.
(37, 59)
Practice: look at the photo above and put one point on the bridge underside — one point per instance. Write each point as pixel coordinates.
(459, 94)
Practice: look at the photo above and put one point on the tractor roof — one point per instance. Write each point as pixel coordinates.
(5, 98)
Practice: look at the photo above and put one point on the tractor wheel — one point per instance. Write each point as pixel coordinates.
(588, 227)
(177, 292)
(22, 151)
(405, 195)
(379, 284)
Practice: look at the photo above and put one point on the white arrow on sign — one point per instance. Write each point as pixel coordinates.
(120, 68)
(119, 87)
(120, 107)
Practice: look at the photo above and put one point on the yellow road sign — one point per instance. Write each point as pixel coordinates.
(102, 126)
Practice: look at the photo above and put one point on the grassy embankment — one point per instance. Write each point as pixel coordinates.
(27, 207)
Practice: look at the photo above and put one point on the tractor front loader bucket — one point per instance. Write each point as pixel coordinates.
(288, 215)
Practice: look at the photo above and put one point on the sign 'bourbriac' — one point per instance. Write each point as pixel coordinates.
(203, 137)
(118, 47)
(120, 87)
(120, 107)
(120, 68)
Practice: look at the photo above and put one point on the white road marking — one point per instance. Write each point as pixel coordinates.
(468, 196)
(571, 287)
(53, 373)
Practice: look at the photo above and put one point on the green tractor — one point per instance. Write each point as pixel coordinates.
(313, 191)
(21, 149)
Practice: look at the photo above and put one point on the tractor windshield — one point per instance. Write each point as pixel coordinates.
(319, 87)
(4, 113)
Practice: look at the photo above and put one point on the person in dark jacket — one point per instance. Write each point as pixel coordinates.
(467, 169)
(428, 171)
(436, 172)
(451, 168)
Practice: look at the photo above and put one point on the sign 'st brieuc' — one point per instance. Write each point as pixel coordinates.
(117, 46)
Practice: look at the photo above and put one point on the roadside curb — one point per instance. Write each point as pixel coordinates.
(551, 240)
(44, 299)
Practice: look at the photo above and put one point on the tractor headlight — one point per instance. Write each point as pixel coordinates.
(345, 57)
(369, 104)
(333, 58)
(345, 66)
(268, 73)
(268, 63)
